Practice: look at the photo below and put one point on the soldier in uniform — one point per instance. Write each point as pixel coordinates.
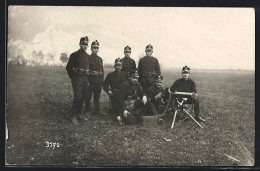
(148, 68)
(96, 77)
(157, 94)
(78, 69)
(185, 84)
(132, 100)
(112, 85)
(128, 64)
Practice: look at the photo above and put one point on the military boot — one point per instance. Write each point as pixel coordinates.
(87, 107)
(97, 110)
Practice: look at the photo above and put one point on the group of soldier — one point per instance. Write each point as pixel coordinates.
(133, 92)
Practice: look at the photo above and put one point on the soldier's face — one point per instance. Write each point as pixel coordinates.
(83, 47)
(158, 84)
(149, 53)
(118, 68)
(95, 50)
(127, 54)
(185, 75)
(134, 80)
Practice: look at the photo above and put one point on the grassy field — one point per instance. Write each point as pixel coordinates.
(39, 103)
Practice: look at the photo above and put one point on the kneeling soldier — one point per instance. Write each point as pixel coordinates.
(157, 93)
(112, 85)
(185, 84)
(132, 100)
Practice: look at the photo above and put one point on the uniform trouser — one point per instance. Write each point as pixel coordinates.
(195, 102)
(80, 86)
(95, 89)
(138, 111)
(153, 106)
(146, 82)
(115, 105)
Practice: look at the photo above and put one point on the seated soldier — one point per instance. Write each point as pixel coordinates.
(156, 94)
(132, 100)
(112, 85)
(185, 84)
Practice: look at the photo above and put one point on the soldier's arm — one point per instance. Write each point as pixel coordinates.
(106, 83)
(122, 93)
(102, 70)
(69, 66)
(134, 65)
(139, 69)
(174, 87)
(140, 92)
(194, 89)
(158, 69)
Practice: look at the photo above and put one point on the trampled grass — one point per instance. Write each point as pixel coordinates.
(39, 103)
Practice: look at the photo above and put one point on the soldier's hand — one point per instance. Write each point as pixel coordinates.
(158, 96)
(110, 93)
(144, 100)
(194, 95)
(125, 113)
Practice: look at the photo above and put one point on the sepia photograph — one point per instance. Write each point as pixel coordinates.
(128, 86)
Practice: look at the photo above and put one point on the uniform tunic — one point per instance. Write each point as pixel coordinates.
(131, 91)
(96, 64)
(113, 82)
(148, 67)
(182, 85)
(128, 64)
(78, 59)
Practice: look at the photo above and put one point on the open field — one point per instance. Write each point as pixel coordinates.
(39, 103)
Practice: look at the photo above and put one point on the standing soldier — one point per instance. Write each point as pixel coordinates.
(77, 69)
(128, 64)
(132, 100)
(96, 77)
(148, 68)
(112, 85)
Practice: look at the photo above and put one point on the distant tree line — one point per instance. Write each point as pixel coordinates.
(39, 59)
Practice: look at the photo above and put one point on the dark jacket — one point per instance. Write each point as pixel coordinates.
(149, 65)
(181, 85)
(114, 81)
(78, 59)
(128, 64)
(153, 91)
(96, 65)
(129, 90)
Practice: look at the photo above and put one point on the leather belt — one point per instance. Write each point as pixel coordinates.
(97, 73)
(81, 71)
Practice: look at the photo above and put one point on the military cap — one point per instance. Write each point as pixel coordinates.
(159, 78)
(118, 61)
(185, 69)
(134, 74)
(149, 47)
(84, 40)
(127, 49)
(95, 44)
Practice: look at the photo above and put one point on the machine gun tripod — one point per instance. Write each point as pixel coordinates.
(179, 101)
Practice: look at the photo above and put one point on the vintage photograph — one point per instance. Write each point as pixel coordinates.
(104, 86)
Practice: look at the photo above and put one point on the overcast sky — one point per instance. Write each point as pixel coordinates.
(202, 38)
